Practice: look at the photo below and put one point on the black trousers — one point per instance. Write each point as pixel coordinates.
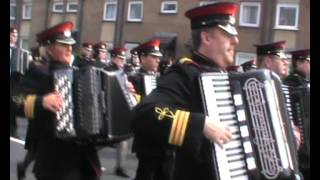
(159, 167)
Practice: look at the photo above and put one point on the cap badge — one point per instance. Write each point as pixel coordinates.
(232, 20)
(157, 48)
(67, 33)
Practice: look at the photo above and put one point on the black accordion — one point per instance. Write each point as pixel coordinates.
(149, 83)
(300, 103)
(97, 105)
(254, 108)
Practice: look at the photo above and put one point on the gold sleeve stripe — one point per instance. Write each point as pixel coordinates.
(183, 129)
(138, 97)
(178, 128)
(173, 127)
(29, 106)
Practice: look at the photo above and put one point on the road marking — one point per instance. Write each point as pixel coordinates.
(17, 140)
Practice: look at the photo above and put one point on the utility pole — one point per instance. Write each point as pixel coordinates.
(118, 30)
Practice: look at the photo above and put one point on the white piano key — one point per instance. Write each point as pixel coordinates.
(225, 102)
(234, 151)
(247, 147)
(226, 109)
(219, 83)
(244, 177)
(236, 157)
(222, 161)
(251, 164)
(234, 129)
(228, 116)
(222, 88)
(232, 144)
(241, 115)
(236, 164)
(244, 131)
(223, 95)
(239, 172)
(237, 99)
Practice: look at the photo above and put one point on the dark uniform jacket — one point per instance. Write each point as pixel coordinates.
(296, 79)
(54, 157)
(172, 116)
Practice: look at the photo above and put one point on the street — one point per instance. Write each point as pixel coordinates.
(107, 157)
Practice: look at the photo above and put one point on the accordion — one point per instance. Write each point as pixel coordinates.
(97, 105)
(253, 106)
(149, 83)
(300, 103)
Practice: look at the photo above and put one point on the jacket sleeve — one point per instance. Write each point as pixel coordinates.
(165, 118)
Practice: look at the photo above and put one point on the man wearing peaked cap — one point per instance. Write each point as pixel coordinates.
(118, 59)
(85, 58)
(171, 116)
(249, 65)
(301, 68)
(299, 84)
(133, 66)
(100, 54)
(272, 56)
(38, 101)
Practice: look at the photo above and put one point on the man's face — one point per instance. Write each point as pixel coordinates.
(278, 65)
(102, 55)
(61, 52)
(13, 38)
(303, 67)
(86, 52)
(120, 62)
(220, 46)
(150, 63)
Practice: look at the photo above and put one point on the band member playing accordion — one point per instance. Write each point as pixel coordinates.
(171, 116)
(37, 100)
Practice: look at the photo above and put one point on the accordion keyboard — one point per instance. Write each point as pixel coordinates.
(62, 82)
(233, 159)
(150, 83)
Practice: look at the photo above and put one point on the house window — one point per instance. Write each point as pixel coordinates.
(250, 14)
(13, 11)
(169, 7)
(58, 7)
(72, 7)
(202, 3)
(287, 16)
(110, 11)
(135, 11)
(27, 11)
(242, 57)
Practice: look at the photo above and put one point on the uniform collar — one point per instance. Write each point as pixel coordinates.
(142, 70)
(54, 65)
(205, 62)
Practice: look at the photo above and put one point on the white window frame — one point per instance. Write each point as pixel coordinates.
(26, 16)
(15, 7)
(294, 27)
(202, 3)
(243, 4)
(163, 11)
(72, 10)
(129, 11)
(105, 10)
(54, 9)
(245, 56)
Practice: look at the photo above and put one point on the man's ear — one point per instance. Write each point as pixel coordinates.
(267, 61)
(205, 37)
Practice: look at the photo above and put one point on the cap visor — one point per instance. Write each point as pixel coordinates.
(69, 41)
(123, 57)
(159, 54)
(282, 55)
(229, 29)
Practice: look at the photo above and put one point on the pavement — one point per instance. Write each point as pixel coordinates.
(107, 157)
